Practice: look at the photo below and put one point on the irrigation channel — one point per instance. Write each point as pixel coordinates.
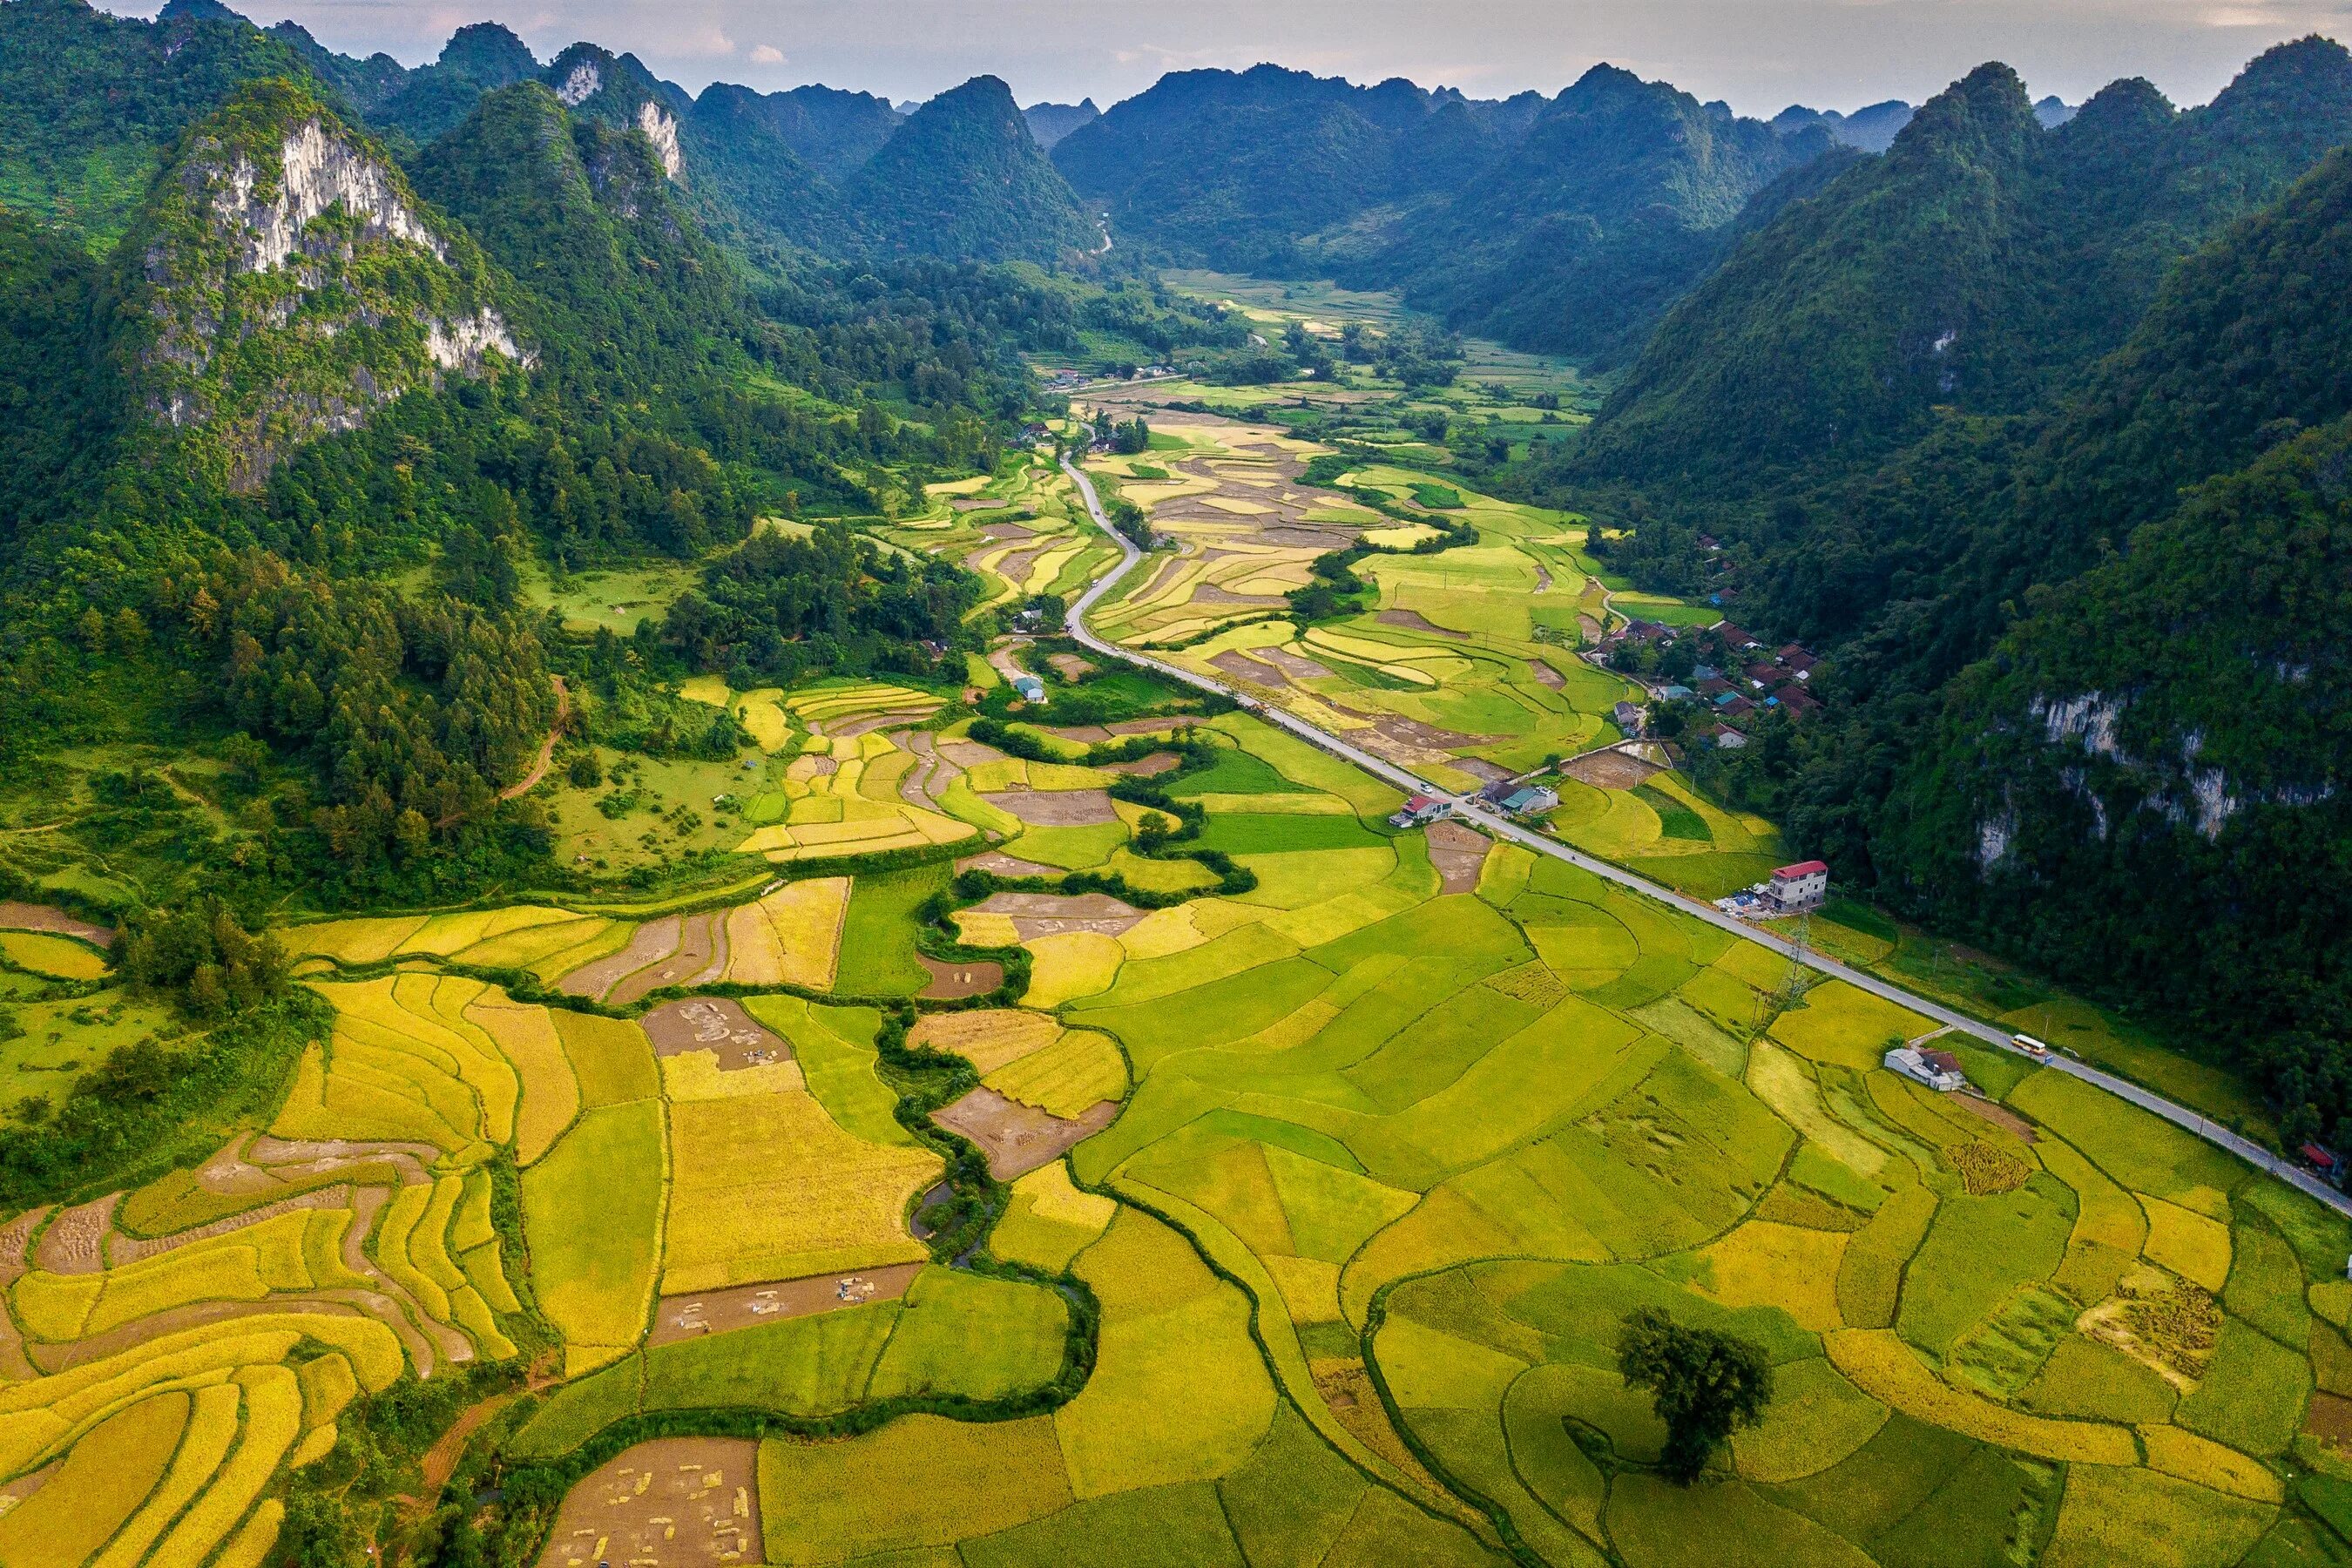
(1470, 808)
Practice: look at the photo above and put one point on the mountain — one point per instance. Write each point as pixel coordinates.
(91, 104)
(1870, 130)
(1234, 169)
(963, 178)
(284, 281)
(2054, 111)
(1049, 122)
(1976, 266)
(831, 131)
(1575, 237)
(1563, 225)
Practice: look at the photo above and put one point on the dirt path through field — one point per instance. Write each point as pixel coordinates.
(546, 747)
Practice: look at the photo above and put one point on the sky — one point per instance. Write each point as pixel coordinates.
(1759, 55)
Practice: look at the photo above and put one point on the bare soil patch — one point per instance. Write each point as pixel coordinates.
(1083, 735)
(282, 1160)
(1297, 667)
(131, 1248)
(951, 980)
(655, 940)
(1244, 667)
(1157, 763)
(1018, 1138)
(13, 1237)
(1546, 675)
(713, 1024)
(2000, 1116)
(1050, 914)
(978, 503)
(700, 957)
(75, 1242)
(672, 1500)
(1056, 808)
(1459, 853)
(969, 754)
(14, 916)
(749, 1306)
(1007, 532)
(1071, 665)
(1609, 770)
(1004, 865)
(849, 728)
(2330, 1420)
(1484, 771)
(1413, 620)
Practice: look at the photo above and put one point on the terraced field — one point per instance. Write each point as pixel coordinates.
(1291, 1223)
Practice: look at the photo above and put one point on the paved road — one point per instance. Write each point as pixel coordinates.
(1469, 808)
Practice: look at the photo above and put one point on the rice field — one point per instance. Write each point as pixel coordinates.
(1339, 1283)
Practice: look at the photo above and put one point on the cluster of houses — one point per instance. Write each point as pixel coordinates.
(1514, 797)
(1752, 680)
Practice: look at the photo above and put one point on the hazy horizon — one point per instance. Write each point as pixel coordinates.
(1760, 55)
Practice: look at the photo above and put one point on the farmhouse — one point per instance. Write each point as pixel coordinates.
(1532, 801)
(1628, 718)
(1799, 887)
(1940, 1070)
(1031, 689)
(1421, 808)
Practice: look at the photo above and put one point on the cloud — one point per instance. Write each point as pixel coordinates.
(767, 55)
(705, 42)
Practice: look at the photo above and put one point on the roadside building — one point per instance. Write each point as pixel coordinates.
(1030, 687)
(1532, 801)
(1940, 1070)
(1802, 885)
(1628, 718)
(1420, 809)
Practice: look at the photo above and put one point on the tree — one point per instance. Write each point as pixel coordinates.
(1705, 1383)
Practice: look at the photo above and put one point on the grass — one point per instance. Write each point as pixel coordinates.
(1048, 1221)
(922, 1481)
(611, 1059)
(2253, 1394)
(768, 1186)
(1977, 1251)
(878, 939)
(1659, 1525)
(1817, 1419)
(1165, 1527)
(595, 1241)
(2135, 1516)
(839, 1063)
(1179, 1392)
(109, 1473)
(1881, 1366)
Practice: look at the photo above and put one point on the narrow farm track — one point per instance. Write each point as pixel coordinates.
(547, 747)
(1469, 807)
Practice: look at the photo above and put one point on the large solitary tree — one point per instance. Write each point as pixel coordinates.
(1705, 1383)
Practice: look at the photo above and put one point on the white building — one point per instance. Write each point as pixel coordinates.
(1802, 885)
(1940, 1070)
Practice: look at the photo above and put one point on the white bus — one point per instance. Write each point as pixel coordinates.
(2030, 1046)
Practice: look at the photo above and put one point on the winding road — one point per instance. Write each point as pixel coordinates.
(1469, 808)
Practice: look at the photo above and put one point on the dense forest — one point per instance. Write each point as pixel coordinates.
(2036, 433)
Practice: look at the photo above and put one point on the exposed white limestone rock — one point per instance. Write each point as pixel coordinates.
(582, 85)
(660, 127)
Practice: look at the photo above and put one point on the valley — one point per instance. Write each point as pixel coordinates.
(1298, 825)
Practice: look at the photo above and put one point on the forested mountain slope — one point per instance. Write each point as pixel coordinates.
(1976, 266)
(963, 177)
(2096, 723)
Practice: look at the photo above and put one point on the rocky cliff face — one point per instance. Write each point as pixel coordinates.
(291, 282)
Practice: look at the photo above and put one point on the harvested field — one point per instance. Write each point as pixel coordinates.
(969, 754)
(749, 1306)
(1247, 667)
(1056, 808)
(951, 982)
(1413, 620)
(1546, 675)
(715, 1024)
(1071, 665)
(1017, 1137)
(17, 916)
(1482, 770)
(1005, 864)
(1609, 770)
(654, 940)
(75, 1242)
(1459, 853)
(1295, 666)
(1152, 766)
(700, 958)
(672, 1500)
(2000, 1115)
(1049, 914)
